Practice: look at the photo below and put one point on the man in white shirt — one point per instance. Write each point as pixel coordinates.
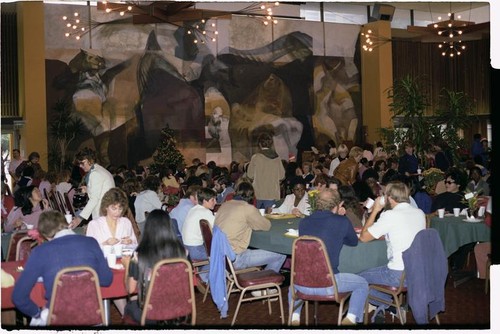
(191, 233)
(399, 223)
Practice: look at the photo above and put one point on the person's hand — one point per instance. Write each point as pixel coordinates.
(269, 210)
(379, 204)
(111, 241)
(126, 241)
(342, 211)
(75, 222)
(45, 203)
(18, 223)
(296, 212)
(83, 189)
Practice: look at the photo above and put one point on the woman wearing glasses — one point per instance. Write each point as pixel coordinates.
(455, 182)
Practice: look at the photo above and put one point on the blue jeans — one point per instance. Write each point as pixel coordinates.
(264, 203)
(345, 282)
(382, 275)
(259, 257)
(199, 253)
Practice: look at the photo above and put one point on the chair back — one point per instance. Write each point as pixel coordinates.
(206, 233)
(14, 240)
(24, 247)
(53, 201)
(311, 264)
(69, 205)
(171, 292)
(76, 298)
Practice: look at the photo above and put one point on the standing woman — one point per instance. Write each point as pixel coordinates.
(158, 242)
(112, 228)
(29, 205)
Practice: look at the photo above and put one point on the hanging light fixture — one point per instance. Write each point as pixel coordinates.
(451, 31)
(371, 41)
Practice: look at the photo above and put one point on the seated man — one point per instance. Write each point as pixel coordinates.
(330, 225)
(64, 249)
(399, 223)
(296, 203)
(191, 232)
(189, 200)
(223, 187)
(237, 218)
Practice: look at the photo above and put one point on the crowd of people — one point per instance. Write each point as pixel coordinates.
(160, 213)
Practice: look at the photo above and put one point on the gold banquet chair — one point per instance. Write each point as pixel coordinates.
(311, 268)
(76, 298)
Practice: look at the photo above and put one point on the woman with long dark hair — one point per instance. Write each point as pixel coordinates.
(158, 242)
(29, 205)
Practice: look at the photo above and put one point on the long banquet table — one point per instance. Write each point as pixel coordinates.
(352, 259)
(455, 232)
(115, 290)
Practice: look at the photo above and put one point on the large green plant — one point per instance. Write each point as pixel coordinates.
(64, 129)
(455, 112)
(408, 105)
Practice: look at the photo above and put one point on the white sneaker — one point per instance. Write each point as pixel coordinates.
(295, 319)
(260, 293)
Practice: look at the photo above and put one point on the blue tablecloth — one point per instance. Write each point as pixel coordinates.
(352, 259)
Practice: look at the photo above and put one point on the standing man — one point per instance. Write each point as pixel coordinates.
(15, 161)
(237, 218)
(330, 224)
(408, 162)
(98, 180)
(399, 223)
(266, 171)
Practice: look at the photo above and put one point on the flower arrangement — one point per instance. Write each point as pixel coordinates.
(431, 177)
(312, 197)
(471, 199)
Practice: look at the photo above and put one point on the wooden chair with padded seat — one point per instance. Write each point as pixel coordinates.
(206, 233)
(14, 241)
(255, 280)
(397, 294)
(76, 298)
(311, 268)
(69, 205)
(487, 277)
(24, 247)
(170, 294)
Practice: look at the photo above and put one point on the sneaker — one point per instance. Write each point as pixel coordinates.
(295, 319)
(347, 322)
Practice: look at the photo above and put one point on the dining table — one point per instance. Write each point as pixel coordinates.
(352, 259)
(457, 231)
(115, 290)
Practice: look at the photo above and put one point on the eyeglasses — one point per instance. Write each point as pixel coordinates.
(449, 182)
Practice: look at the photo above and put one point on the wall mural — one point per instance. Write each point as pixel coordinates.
(216, 102)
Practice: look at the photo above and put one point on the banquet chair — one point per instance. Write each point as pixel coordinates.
(76, 298)
(14, 241)
(61, 202)
(248, 281)
(311, 268)
(24, 247)
(170, 294)
(206, 233)
(69, 205)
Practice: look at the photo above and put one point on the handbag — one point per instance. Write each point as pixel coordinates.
(80, 200)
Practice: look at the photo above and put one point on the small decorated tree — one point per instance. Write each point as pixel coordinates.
(166, 152)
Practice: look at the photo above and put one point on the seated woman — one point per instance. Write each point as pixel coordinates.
(296, 203)
(158, 242)
(353, 208)
(112, 228)
(453, 197)
(29, 205)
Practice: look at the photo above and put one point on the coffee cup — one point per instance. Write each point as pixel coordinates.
(107, 249)
(481, 211)
(69, 218)
(456, 212)
(441, 213)
(117, 249)
(111, 258)
(262, 211)
(369, 203)
(382, 200)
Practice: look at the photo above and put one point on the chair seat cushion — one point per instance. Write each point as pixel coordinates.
(305, 296)
(259, 277)
(388, 287)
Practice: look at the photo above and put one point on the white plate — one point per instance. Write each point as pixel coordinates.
(475, 220)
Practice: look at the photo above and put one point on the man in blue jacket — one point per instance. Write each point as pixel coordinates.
(63, 249)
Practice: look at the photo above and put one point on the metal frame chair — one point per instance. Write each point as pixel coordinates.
(249, 281)
(171, 293)
(311, 268)
(76, 298)
(206, 233)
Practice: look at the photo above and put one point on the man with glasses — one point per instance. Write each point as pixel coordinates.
(97, 181)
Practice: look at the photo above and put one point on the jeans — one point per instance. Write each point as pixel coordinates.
(382, 275)
(199, 253)
(259, 257)
(264, 203)
(345, 282)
